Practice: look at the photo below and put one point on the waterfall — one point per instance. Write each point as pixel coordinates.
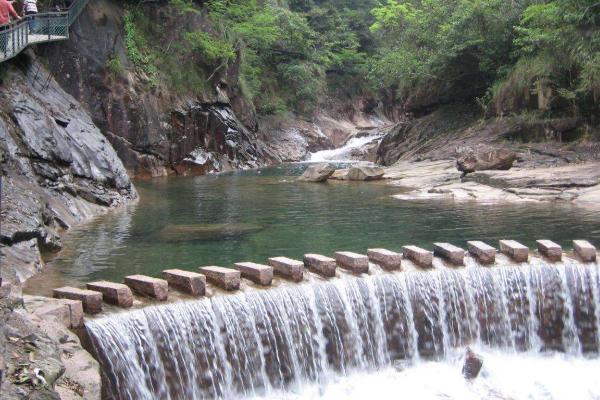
(253, 343)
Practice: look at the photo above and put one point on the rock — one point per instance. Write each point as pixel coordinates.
(549, 249)
(483, 252)
(317, 173)
(148, 286)
(257, 273)
(515, 250)
(322, 265)
(357, 263)
(454, 255)
(419, 256)
(192, 232)
(92, 300)
(189, 282)
(113, 293)
(363, 173)
(482, 160)
(585, 250)
(225, 278)
(387, 259)
(288, 268)
(472, 365)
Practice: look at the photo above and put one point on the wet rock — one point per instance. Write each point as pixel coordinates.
(191, 232)
(472, 365)
(487, 159)
(362, 173)
(317, 173)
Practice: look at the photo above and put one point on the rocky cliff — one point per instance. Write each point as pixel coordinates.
(58, 169)
(156, 129)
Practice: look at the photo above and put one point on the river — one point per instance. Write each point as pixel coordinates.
(252, 215)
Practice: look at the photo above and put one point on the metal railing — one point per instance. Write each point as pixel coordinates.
(37, 28)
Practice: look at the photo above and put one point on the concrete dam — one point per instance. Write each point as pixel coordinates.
(416, 307)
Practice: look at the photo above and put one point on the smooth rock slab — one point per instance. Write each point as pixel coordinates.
(91, 300)
(189, 282)
(117, 294)
(585, 250)
(483, 252)
(322, 265)
(357, 263)
(387, 259)
(450, 253)
(288, 268)
(148, 286)
(515, 250)
(419, 256)
(67, 312)
(257, 273)
(549, 249)
(225, 278)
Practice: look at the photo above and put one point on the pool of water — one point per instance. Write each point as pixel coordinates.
(252, 215)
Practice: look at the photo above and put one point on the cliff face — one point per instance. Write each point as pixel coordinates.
(57, 167)
(155, 129)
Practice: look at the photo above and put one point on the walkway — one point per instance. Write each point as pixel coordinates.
(41, 28)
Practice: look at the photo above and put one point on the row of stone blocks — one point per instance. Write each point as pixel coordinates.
(229, 279)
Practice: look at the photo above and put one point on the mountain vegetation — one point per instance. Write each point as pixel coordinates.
(507, 57)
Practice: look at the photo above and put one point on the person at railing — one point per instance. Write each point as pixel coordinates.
(30, 9)
(6, 11)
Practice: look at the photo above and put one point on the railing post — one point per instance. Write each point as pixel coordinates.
(48, 25)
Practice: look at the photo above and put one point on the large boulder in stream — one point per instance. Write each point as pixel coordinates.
(485, 159)
(317, 173)
(363, 173)
(472, 365)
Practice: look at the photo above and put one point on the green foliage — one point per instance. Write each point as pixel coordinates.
(136, 45)
(208, 48)
(498, 51)
(114, 66)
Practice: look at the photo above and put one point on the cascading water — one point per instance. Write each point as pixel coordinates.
(268, 342)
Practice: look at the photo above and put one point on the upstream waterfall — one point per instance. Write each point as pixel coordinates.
(260, 342)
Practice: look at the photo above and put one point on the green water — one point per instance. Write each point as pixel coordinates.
(252, 215)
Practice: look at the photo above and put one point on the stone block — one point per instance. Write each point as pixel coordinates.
(68, 312)
(322, 265)
(189, 282)
(117, 294)
(386, 259)
(552, 251)
(91, 300)
(483, 252)
(515, 250)
(585, 250)
(148, 286)
(225, 278)
(453, 254)
(288, 268)
(354, 262)
(419, 256)
(257, 273)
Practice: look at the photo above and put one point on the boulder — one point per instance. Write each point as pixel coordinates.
(472, 365)
(363, 173)
(486, 159)
(317, 173)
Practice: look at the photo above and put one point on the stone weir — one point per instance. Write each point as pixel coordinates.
(384, 308)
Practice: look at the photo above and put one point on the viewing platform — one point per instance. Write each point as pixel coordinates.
(38, 28)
